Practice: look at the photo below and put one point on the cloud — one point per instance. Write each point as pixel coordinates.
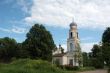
(14, 29)
(85, 39)
(92, 14)
(86, 47)
(5, 30)
(18, 30)
(64, 46)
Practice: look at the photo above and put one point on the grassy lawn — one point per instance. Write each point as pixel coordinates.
(34, 66)
(29, 66)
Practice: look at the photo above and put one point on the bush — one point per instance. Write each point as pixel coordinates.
(97, 63)
(76, 68)
(68, 67)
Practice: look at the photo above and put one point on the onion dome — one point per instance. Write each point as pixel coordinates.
(73, 24)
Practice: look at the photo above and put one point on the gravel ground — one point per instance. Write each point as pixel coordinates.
(95, 71)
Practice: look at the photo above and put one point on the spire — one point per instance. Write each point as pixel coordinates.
(73, 20)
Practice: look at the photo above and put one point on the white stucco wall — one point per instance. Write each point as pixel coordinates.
(64, 60)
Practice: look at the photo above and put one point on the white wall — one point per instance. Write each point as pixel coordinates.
(64, 60)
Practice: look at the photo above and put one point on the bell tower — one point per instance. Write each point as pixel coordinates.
(73, 39)
(73, 46)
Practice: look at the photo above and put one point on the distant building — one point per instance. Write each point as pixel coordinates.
(73, 56)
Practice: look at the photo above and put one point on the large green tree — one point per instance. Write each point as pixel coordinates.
(106, 46)
(39, 43)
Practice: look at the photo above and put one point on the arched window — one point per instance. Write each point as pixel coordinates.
(71, 46)
(71, 34)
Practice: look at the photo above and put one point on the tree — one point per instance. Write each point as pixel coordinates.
(95, 50)
(97, 58)
(85, 59)
(106, 46)
(22, 53)
(8, 49)
(106, 53)
(39, 43)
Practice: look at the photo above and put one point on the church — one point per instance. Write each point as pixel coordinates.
(73, 55)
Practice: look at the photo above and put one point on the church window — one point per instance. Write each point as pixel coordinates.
(71, 46)
(71, 34)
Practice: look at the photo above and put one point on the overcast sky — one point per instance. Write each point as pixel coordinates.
(91, 16)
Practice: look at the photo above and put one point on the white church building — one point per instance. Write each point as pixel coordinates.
(73, 55)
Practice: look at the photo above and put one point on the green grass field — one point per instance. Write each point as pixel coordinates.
(34, 66)
(29, 66)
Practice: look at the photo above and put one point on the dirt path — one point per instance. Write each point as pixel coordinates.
(95, 71)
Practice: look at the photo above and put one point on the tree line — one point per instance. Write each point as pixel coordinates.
(37, 45)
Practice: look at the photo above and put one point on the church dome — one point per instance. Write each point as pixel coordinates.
(73, 24)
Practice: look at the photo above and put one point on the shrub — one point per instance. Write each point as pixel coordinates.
(69, 67)
(76, 68)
